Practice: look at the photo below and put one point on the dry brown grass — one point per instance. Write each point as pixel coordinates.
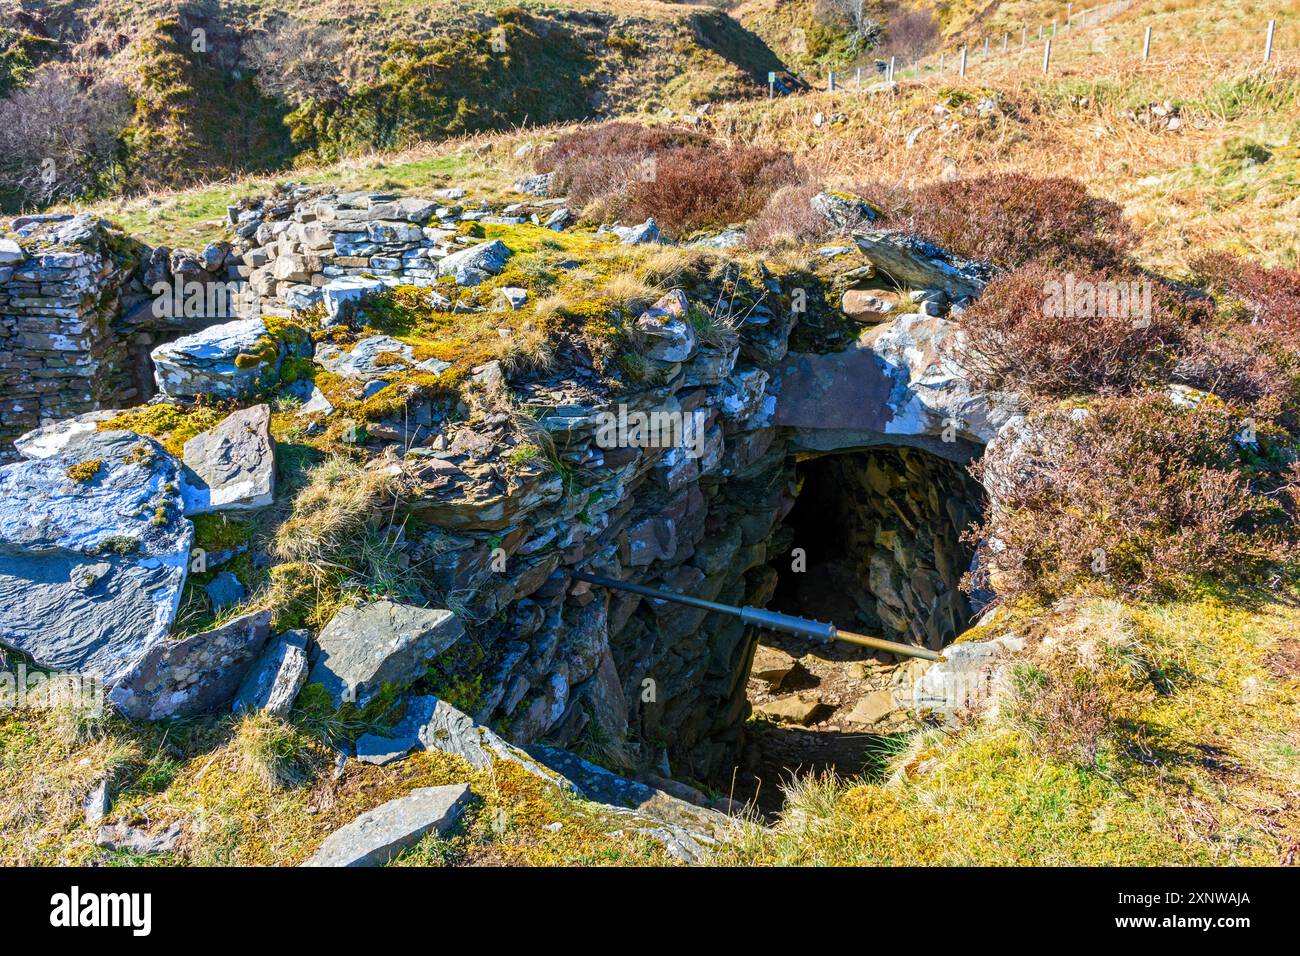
(1180, 189)
(340, 500)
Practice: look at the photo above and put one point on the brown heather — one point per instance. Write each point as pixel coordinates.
(1156, 490)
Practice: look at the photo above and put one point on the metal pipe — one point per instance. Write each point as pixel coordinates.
(771, 620)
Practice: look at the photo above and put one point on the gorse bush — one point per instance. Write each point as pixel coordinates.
(1044, 331)
(1011, 219)
(684, 180)
(1137, 496)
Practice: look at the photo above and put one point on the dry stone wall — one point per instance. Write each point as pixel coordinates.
(60, 282)
(81, 306)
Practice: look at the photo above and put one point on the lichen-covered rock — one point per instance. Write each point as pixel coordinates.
(363, 648)
(969, 680)
(844, 210)
(274, 679)
(919, 264)
(686, 830)
(646, 232)
(373, 358)
(902, 383)
(231, 467)
(50, 439)
(343, 296)
(379, 835)
(488, 257)
(233, 360)
(195, 676)
(669, 331)
(93, 553)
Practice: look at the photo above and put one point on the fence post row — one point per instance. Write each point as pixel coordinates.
(1044, 36)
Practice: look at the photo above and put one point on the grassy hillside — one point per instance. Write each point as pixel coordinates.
(1224, 175)
(1169, 736)
(226, 87)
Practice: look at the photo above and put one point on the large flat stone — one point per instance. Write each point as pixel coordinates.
(363, 648)
(916, 263)
(195, 676)
(231, 467)
(91, 571)
(379, 835)
(50, 439)
(900, 384)
(229, 361)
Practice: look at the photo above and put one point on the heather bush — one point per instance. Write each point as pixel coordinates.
(1250, 353)
(684, 180)
(1136, 496)
(788, 218)
(1260, 296)
(1065, 712)
(1011, 219)
(1048, 332)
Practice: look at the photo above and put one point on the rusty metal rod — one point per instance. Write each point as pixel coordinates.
(772, 620)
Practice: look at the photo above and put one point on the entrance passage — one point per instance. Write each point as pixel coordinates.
(873, 543)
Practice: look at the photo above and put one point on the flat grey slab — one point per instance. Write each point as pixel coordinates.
(91, 570)
(362, 648)
(376, 837)
(231, 467)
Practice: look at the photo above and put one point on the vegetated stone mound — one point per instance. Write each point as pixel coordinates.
(508, 510)
(93, 553)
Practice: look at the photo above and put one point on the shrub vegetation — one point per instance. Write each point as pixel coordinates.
(1135, 495)
(684, 180)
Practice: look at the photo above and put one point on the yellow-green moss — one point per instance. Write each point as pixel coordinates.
(173, 424)
(84, 471)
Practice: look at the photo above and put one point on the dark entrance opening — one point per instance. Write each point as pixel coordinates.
(873, 544)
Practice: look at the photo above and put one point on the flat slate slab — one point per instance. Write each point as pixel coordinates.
(362, 648)
(376, 837)
(51, 439)
(91, 570)
(231, 467)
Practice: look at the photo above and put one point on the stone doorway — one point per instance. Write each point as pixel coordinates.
(873, 544)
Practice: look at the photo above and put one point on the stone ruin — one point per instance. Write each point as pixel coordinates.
(888, 423)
